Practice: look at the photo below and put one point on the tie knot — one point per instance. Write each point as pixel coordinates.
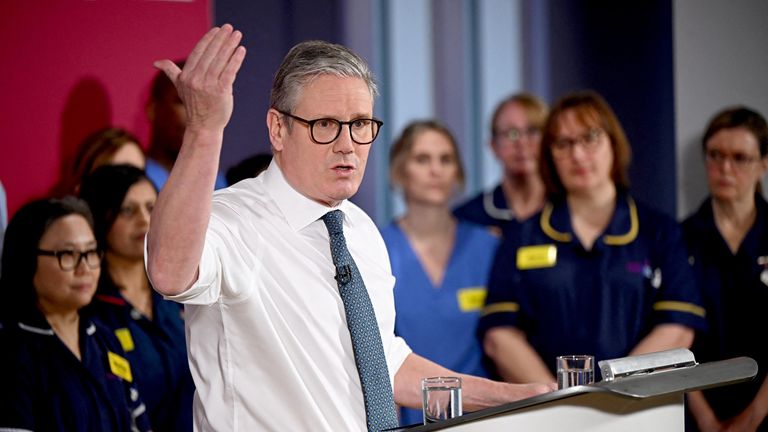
(334, 221)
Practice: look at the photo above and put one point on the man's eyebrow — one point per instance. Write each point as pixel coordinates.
(354, 116)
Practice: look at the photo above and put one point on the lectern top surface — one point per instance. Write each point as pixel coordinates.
(699, 377)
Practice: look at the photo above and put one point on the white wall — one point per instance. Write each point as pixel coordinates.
(500, 74)
(721, 59)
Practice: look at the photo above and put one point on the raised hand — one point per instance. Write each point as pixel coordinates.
(205, 83)
(177, 234)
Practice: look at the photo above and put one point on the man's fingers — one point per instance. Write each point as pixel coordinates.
(199, 50)
(233, 65)
(225, 53)
(213, 48)
(169, 68)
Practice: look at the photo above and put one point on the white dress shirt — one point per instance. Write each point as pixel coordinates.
(268, 341)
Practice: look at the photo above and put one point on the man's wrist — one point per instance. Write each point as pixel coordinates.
(203, 139)
(204, 133)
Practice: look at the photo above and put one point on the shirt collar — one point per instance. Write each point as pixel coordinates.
(298, 210)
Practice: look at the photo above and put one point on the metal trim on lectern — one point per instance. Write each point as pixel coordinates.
(649, 385)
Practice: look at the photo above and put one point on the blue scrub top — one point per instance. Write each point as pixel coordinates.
(735, 290)
(488, 209)
(440, 322)
(46, 388)
(601, 301)
(158, 351)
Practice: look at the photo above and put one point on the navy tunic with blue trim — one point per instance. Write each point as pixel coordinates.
(601, 301)
(735, 289)
(46, 388)
(157, 349)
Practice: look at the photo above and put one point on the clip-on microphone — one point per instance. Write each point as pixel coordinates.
(343, 274)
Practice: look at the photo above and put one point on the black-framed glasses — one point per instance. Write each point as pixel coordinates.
(590, 141)
(738, 160)
(515, 134)
(326, 130)
(70, 259)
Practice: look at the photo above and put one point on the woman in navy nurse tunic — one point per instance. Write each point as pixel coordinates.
(728, 240)
(150, 328)
(59, 370)
(596, 272)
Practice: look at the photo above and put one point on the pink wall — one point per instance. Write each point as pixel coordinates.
(72, 66)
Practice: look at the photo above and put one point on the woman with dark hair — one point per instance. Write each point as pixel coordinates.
(728, 240)
(595, 272)
(59, 371)
(441, 264)
(150, 329)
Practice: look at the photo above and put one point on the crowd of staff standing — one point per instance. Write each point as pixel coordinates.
(559, 258)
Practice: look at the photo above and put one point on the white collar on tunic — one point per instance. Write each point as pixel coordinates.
(298, 210)
(90, 330)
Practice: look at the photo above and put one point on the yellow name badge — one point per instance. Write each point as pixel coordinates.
(119, 366)
(536, 257)
(471, 299)
(125, 338)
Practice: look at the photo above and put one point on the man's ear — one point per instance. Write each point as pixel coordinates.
(276, 127)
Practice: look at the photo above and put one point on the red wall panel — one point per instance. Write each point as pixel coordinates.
(72, 66)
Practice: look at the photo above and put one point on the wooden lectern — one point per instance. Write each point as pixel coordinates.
(644, 399)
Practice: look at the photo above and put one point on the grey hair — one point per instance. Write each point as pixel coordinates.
(310, 59)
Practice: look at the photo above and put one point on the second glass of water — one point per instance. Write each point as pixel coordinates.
(441, 398)
(573, 370)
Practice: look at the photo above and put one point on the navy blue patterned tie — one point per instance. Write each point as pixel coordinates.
(364, 329)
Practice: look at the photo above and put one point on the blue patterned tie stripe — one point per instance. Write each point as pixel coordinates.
(363, 327)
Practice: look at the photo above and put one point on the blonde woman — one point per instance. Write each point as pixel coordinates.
(441, 263)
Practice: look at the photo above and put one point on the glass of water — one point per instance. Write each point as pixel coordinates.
(573, 370)
(441, 398)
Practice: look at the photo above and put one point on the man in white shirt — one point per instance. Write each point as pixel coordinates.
(268, 338)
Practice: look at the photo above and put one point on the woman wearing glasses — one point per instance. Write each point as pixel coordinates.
(516, 143)
(728, 240)
(441, 264)
(59, 370)
(150, 329)
(595, 272)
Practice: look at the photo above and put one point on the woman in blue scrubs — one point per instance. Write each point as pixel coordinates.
(441, 264)
(728, 240)
(59, 370)
(596, 272)
(150, 328)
